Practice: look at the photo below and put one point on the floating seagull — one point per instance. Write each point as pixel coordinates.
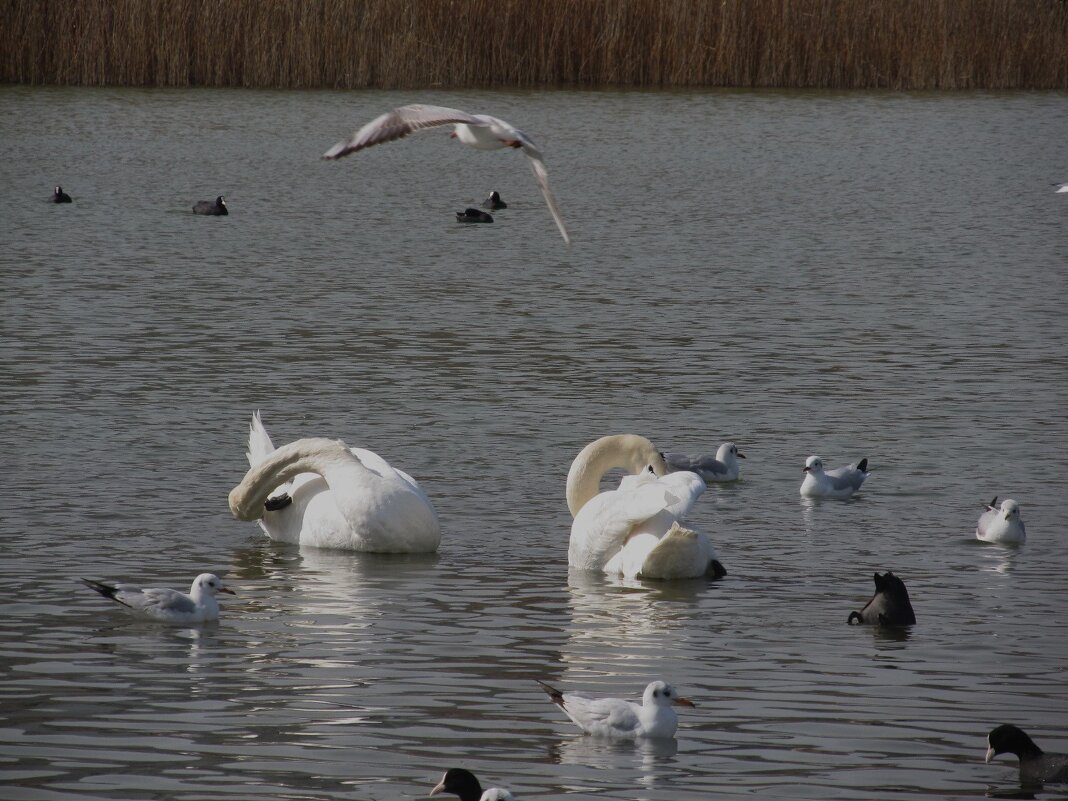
(215, 208)
(169, 606)
(1036, 766)
(838, 483)
(59, 196)
(721, 467)
(477, 130)
(463, 783)
(474, 216)
(494, 202)
(890, 606)
(1001, 525)
(614, 717)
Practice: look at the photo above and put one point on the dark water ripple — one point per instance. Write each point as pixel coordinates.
(843, 274)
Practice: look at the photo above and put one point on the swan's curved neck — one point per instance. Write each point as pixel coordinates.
(628, 452)
(311, 455)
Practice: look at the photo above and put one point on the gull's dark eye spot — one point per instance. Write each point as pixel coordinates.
(656, 693)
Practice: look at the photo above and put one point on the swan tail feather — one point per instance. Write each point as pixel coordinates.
(259, 441)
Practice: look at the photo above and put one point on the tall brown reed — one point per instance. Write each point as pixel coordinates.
(895, 44)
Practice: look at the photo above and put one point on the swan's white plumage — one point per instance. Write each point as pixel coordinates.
(634, 530)
(344, 498)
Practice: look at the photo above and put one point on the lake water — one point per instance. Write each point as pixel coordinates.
(879, 275)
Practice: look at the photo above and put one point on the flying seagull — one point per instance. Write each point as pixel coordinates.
(477, 130)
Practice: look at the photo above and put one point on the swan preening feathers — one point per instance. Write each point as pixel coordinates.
(321, 493)
(480, 131)
(636, 530)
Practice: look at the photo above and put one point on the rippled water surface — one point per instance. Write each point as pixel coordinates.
(843, 274)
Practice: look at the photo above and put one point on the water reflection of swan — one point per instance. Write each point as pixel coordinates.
(617, 610)
(635, 530)
(319, 492)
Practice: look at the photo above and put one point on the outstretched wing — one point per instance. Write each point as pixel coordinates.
(397, 124)
(541, 175)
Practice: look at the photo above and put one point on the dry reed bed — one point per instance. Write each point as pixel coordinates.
(895, 44)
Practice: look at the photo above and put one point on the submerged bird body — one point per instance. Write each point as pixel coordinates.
(470, 215)
(1036, 766)
(890, 606)
(1002, 525)
(721, 467)
(59, 196)
(494, 202)
(480, 131)
(635, 530)
(838, 483)
(321, 493)
(463, 783)
(211, 208)
(166, 605)
(654, 717)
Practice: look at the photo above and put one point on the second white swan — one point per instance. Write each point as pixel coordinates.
(321, 493)
(635, 531)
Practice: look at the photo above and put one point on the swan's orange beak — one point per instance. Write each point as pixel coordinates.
(684, 702)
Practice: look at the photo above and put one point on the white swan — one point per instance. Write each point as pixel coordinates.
(635, 530)
(320, 492)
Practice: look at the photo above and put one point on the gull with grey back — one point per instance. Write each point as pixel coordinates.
(166, 605)
(654, 717)
(480, 131)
